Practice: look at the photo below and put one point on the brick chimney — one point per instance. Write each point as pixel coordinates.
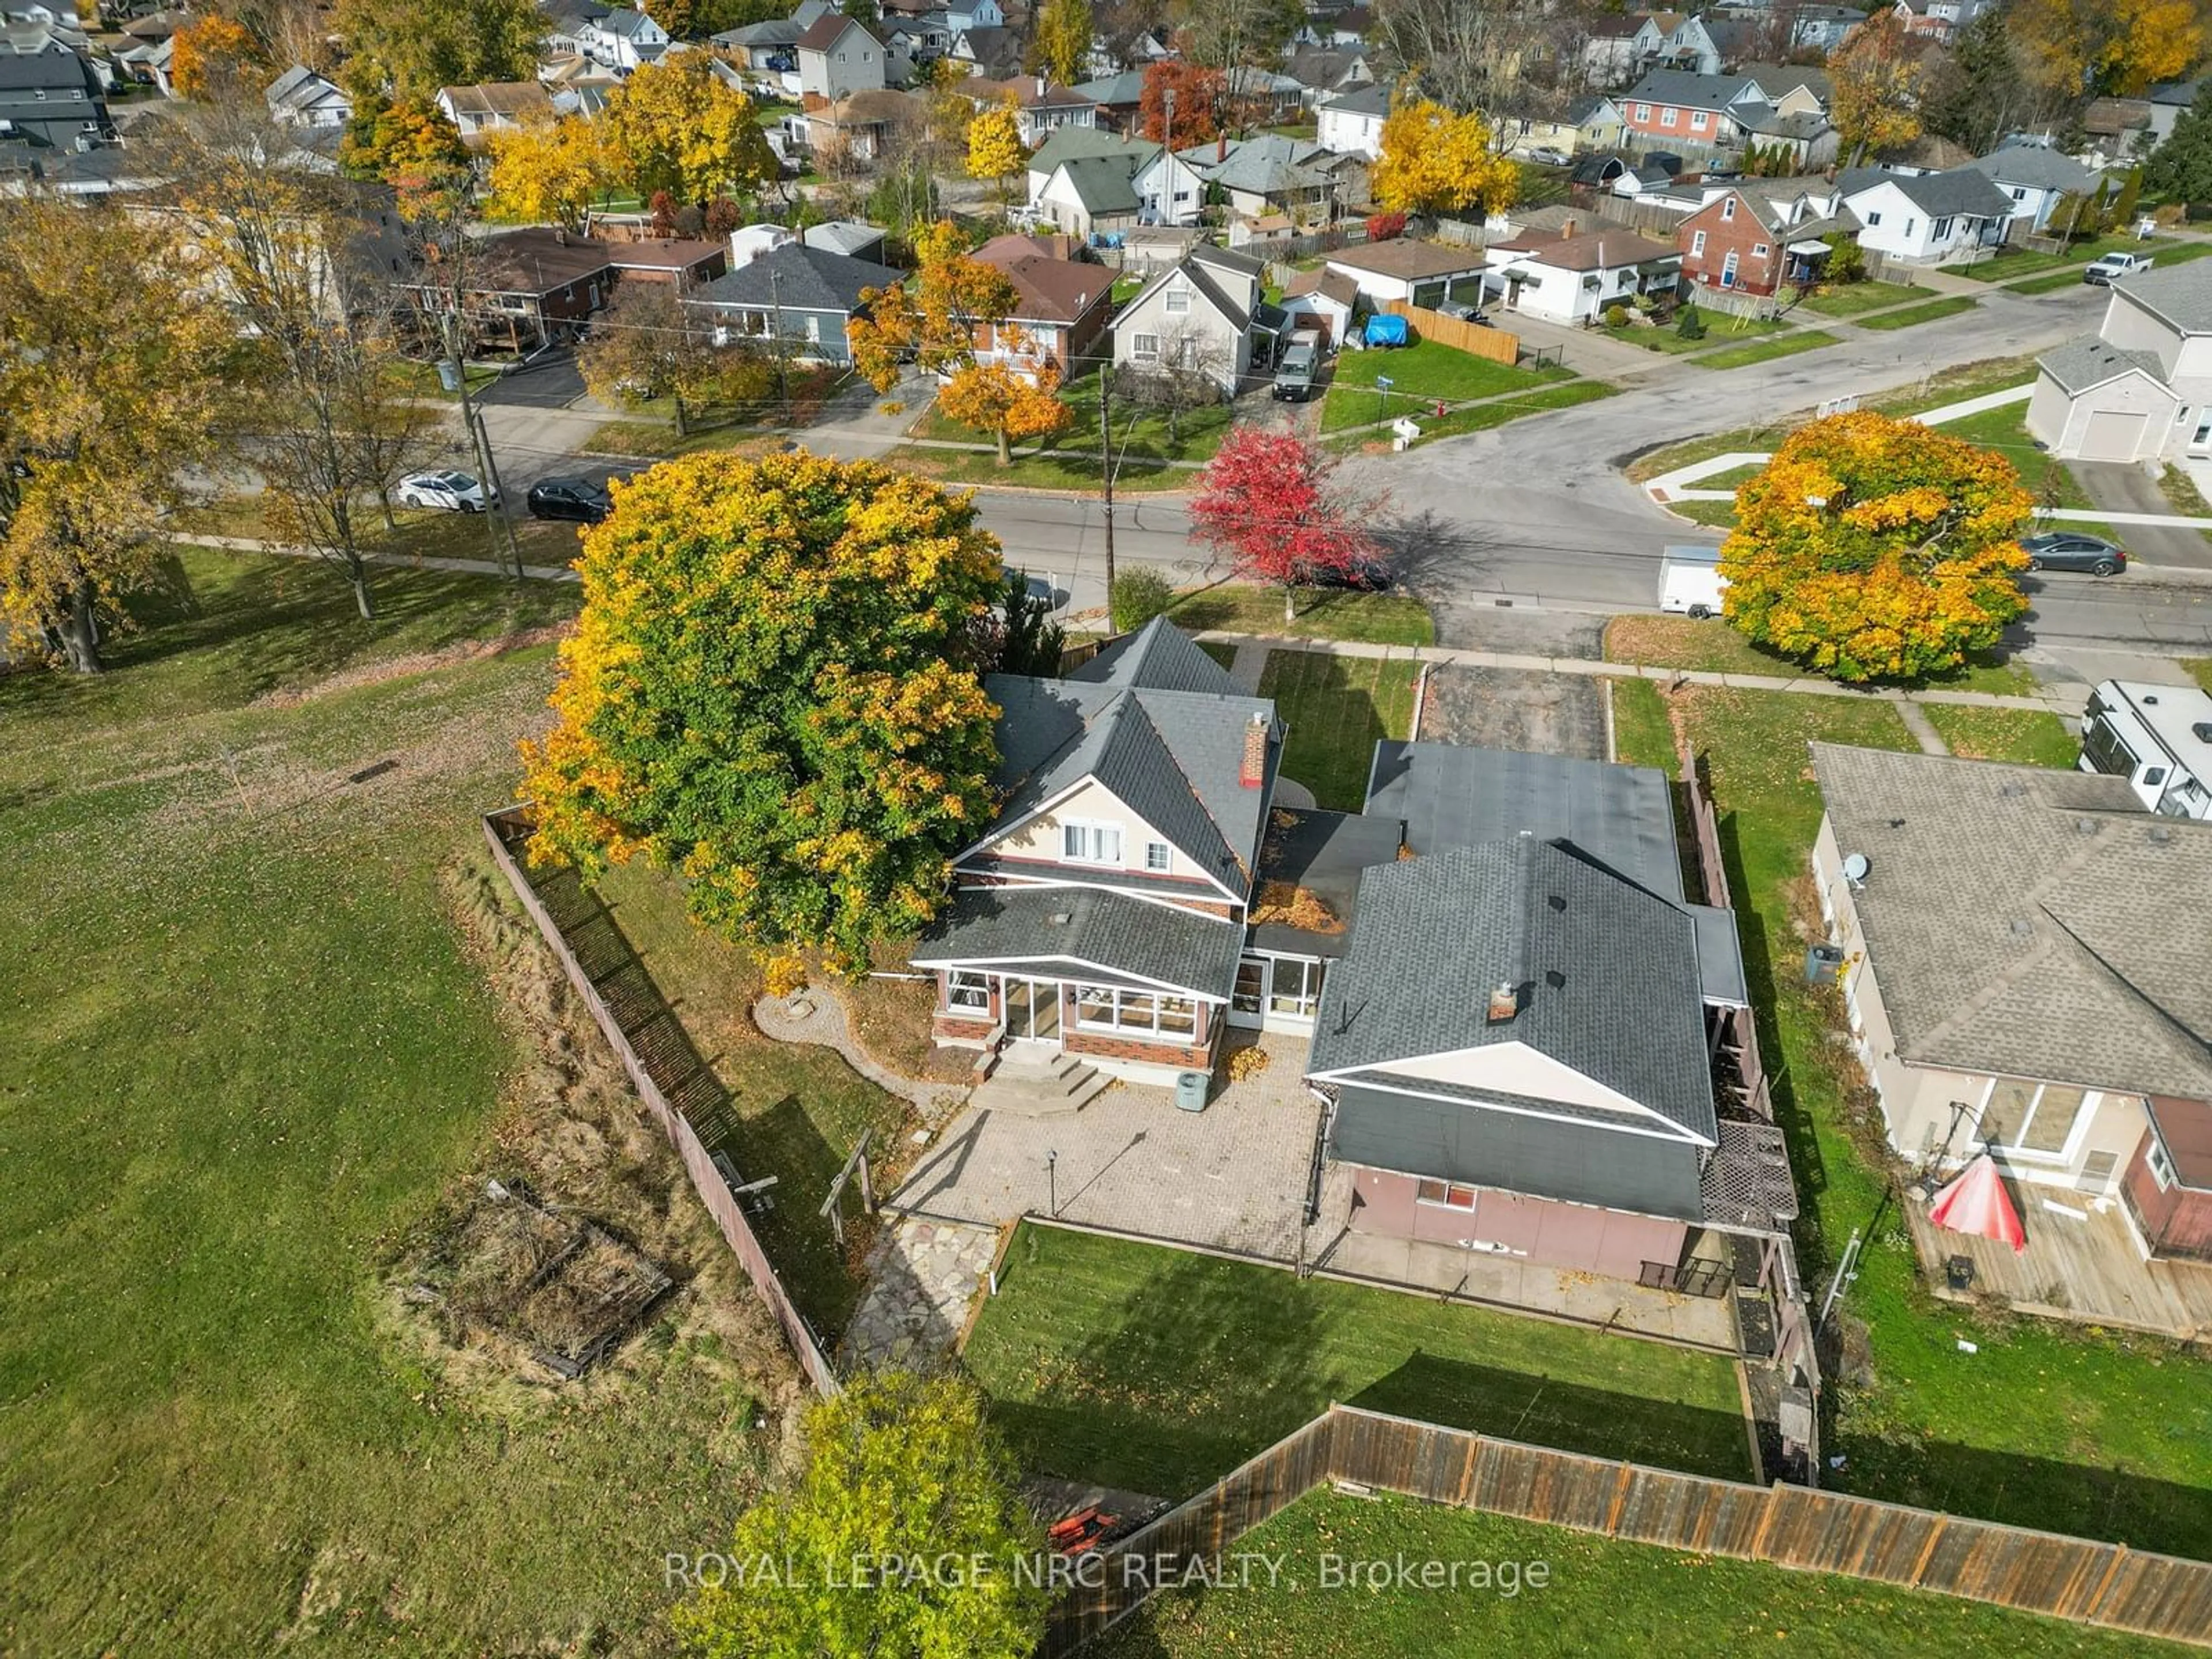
(1566, 227)
(1254, 772)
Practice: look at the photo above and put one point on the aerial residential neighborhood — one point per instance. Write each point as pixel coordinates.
(1023, 828)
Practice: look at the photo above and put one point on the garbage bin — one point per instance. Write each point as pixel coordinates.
(1190, 1091)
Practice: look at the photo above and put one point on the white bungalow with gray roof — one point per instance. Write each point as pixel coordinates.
(1086, 181)
(2038, 178)
(1926, 218)
(2020, 967)
(795, 296)
(2140, 388)
(1351, 123)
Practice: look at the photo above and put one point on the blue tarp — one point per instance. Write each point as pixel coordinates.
(1385, 330)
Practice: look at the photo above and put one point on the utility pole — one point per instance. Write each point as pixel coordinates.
(775, 343)
(1106, 473)
(479, 442)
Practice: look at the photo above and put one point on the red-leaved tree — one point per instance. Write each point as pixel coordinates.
(1382, 226)
(1199, 94)
(1271, 505)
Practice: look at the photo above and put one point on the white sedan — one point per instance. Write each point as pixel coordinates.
(448, 492)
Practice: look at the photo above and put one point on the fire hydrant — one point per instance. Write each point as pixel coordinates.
(1440, 408)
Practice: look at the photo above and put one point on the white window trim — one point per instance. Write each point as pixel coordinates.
(1159, 857)
(2160, 1165)
(1444, 1203)
(969, 979)
(1696, 244)
(1118, 1026)
(1084, 831)
(2009, 1153)
(1728, 207)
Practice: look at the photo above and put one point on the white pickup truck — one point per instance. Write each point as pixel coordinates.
(2108, 268)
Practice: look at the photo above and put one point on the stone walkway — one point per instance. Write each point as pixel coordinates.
(818, 1016)
(1923, 729)
(922, 1278)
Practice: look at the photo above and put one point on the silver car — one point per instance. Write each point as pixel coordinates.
(445, 492)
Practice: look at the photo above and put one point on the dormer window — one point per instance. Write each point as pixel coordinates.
(1090, 843)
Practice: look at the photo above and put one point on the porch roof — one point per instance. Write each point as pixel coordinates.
(1066, 932)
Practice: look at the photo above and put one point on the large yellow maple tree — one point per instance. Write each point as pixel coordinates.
(1435, 161)
(1877, 549)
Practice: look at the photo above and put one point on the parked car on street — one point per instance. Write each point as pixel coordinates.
(1544, 156)
(575, 499)
(2069, 550)
(446, 492)
(2109, 268)
(1368, 575)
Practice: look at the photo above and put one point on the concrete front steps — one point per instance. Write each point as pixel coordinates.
(1047, 1085)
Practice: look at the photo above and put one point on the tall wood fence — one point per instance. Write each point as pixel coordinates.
(505, 831)
(2086, 1582)
(1494, 343)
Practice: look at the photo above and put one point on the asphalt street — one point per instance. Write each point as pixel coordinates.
(1536, 513)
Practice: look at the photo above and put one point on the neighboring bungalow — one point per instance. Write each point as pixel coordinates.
(1926, 218)
(768, 48)
(994, 51)
(1823, 28)
(869, 124)
(2018, 965)
(686, 264)
(797, 295)
(493, 107)
(1608, 48)
(1806, 142)
(522, 290)
(1062, 307)
(1519, 1040)
(2037, 179)
(1207, 313)
(1573, 276)
(1101, 919)
(2114, 129)
(1327, 72)
(1675, 42)
(51, 98)
(1591, 122)
(838, 56)
(1351, 123)
(1791, 88)
(1117, 99)
(1416, 272)
(623, 38)
(1041, 109)
(848, 237)
(299, 97)
(2140, 389)
(1090, 183)
(1271, 174)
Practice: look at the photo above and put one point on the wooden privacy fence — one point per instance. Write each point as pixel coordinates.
(505, 830)
(1473, 338)
(2080, 1579)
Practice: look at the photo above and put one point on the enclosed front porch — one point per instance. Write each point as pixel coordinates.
(1133, 1030)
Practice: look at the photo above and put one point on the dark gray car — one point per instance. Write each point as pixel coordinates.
(2070, 549)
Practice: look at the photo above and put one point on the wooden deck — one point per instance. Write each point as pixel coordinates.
(2089, 1270)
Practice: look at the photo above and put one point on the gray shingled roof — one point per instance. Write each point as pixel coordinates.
(1103, 184)
(797, 277)
(1370, 100)
(2029, 923)
(1158, 657)
(1174, 759)
(1688, 90)
(2034, 167)
(1129, 939)
(1606, 974)
(2080, 364)
(2181, 295)
(1960, 190)
(1455, 795)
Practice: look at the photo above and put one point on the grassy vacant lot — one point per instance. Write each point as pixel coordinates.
(418, 533)
(1420, 375)
(1481, 417)
(1323, 613)
(1160, 1370)
(1913, 316)
(1141, 435)
(1602, 1596)
(1337, 708)
(1759, 351)
(1720, 328)
(1710, 646)
(2075, 1431)
(2023, 261)
(2004, 734)
(246, 1057)
(1849, 299)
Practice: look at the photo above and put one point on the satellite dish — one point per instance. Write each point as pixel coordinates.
(1854, 869)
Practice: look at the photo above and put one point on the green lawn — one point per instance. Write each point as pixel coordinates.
(2199, 669)
(1960, 384)
(1149, 455)
(1849, 299)
(1160, 1370)
(2023, 261)
(1720, 328)
(1420, 375)
(1600, 1595)
(1759, 351)
(2004, 430)
(2004, 734)
(1913, 316)
(2048, 282)
(1642, 733)
(1323, 613)
(1745, 440)
(1709, 645)
(2074, 1431)
(1481, 417)
(1337, 707)
(246, 1057)
(1713, 515)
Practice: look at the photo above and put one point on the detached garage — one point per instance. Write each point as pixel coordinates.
(2097, 402)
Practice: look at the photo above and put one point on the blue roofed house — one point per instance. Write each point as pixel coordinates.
(799, 296)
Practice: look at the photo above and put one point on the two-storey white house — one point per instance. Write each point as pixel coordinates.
(1351, 123)
(624, 40)
(2140, 388)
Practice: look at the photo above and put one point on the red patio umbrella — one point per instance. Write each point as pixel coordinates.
(1976, 1202)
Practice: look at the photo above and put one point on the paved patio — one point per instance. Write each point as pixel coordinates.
(2086, 1269)
(922, 1277)
(1233, 1177)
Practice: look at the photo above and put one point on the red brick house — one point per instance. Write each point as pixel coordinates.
(1063, 306)
(1746, 242)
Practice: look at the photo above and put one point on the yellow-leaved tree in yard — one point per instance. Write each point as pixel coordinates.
(773, 691)
(994, 145)
(1876, 548)
(551, 169)
(1434, 161)
(2119, 47)
(999, 399)
(1875, 77)
(675, 125)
